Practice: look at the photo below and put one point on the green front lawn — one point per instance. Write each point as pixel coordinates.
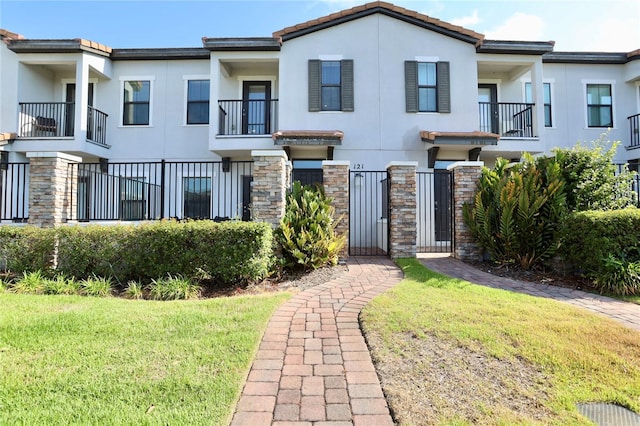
(460, 343)
(80, 360)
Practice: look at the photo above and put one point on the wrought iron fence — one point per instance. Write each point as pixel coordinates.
(14, 191)
(96, 126)
(435, 213)
(634, 131)
(216, 190)
(46, 119)
(247, 117)
(368, 213)
(508, 119)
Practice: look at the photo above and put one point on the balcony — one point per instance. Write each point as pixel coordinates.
(44, 120)
(507, 119)
(247, 117)
(634, 131)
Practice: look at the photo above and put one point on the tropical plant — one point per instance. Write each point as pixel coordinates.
(517, 211)
(134, 290)
(307, 230)
(60, 284)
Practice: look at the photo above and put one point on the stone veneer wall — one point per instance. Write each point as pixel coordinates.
(465, 180)
(335, 176)
(402, 204)
(269, 187)
(50, 203)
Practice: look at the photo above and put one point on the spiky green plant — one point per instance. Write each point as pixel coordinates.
(307, 230)
(134, 290)
(517, 211)
(173, 288)
(96, 286)
(60, 284)
(30, 283)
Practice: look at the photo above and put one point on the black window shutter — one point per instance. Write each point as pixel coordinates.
(444, 88)
(346, 76)
(411, 85)
(314, 85)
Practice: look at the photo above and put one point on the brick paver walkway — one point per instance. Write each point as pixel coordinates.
(313, 366)
(624, 312)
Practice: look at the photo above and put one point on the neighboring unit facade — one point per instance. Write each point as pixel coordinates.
(369, 85)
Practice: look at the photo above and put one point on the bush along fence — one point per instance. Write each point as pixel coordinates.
(61, 190)
(227, 253)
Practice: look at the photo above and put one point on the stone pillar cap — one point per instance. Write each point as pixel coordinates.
(465, 164)
(269, 153)
(335, 163)
(403, 164)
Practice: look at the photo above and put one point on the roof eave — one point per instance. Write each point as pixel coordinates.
(246, 44)
(515, 47)
(585, 58)
(58, 46)
(160, 54)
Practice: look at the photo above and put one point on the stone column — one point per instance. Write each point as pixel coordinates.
(465, 180)
(335, 178)
(402, 205)
(269, 187)
(51, 182)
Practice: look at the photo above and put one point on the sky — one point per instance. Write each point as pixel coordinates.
(575, 25)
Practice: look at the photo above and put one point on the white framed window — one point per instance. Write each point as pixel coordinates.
(197, 99)
(599, 99)
(196, 197)
(136, 101)
(547, 95)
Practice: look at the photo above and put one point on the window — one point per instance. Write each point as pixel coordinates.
(137, 97)
(427, 86)
(599, 105)
(528, 98)
(331, 85)
(132, 200)
(197, 197)
(198, 102)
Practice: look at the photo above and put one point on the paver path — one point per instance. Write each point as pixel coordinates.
(313, 366)
(624, 312)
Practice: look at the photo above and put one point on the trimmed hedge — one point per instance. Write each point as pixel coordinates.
(228, 252)
(26, 248)
(605, 246)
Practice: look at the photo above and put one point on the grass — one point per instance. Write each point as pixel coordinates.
(583, 357)
(78, 360)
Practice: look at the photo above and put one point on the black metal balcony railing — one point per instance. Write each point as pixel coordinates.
(634, 131)
(507, 119)
(46, 119)
(57, 120)
(247, 117)
(96, 126)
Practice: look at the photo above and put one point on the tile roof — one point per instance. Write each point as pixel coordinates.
(10, 35)
(379, 7)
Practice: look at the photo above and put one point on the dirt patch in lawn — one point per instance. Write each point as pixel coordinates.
(427, 380)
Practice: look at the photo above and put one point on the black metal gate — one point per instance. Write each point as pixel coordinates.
(435, 212)
(368, 213)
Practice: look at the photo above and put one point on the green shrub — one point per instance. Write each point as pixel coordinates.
(307, 230)
(173, 288)
(96, 287)
(26, 249)
(30, 283)
(591, 179)
(605, 246)
(517, 211)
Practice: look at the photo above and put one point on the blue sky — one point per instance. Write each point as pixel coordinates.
(575, 25)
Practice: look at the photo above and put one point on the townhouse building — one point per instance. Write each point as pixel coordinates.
(157, 133)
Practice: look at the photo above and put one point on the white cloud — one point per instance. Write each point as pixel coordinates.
(615, 35)
(519, 26)
(467, 21)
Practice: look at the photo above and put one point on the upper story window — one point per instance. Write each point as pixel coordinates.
(331, 85)
(599, 105)
(427, 87)
(198, 102)
(528, 98)
(136, 104)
